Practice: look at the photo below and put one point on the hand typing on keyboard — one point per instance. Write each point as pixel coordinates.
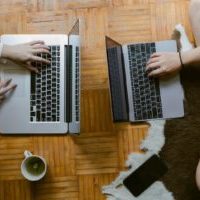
(164, 63)
(5, 87)
(45, 88)
(25, 54)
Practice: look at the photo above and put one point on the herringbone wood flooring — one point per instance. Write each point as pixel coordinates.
(79, 166)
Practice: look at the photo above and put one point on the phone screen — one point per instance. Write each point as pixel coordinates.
(145, 175)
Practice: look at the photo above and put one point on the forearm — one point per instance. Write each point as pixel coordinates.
(191, 57)
(7, 52)
(4, 53)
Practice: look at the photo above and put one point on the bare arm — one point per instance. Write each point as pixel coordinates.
(191, 57)
(161, 64)
(198, 175)
(24, 54)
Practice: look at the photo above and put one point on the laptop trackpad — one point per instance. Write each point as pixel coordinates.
(18, 77)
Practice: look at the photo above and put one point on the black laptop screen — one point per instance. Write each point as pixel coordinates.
(117, 80)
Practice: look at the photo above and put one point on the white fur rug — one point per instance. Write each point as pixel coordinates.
(152, 145)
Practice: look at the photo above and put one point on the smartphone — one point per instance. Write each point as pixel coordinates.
(145, 175)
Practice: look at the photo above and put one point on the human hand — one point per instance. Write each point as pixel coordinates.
(163, 63)
(24, 54)
(5, 87)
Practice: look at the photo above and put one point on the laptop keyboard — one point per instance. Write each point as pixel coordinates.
(145, 90)
(45, 89)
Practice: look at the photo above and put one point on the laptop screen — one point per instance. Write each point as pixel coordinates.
(117, 80)
(73, 31)
(111, 43)
(72, 74)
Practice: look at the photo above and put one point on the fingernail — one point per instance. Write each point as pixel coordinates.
(14, 87)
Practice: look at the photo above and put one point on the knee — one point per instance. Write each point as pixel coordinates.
(198, 176)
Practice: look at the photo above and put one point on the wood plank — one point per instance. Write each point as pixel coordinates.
(58, 152)
(96, 154)
(58, 188)
(57, 22)
(95, 182)
(13, 23)
(96, 112)
(130, 23)
(77, 4)
(128, 142)
(11, 155)
(15, 189)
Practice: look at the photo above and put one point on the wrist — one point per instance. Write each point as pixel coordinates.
(190, 57)
(6, 51)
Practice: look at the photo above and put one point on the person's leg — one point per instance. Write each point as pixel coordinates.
(195, 22)
(195, 19)
(198, 176)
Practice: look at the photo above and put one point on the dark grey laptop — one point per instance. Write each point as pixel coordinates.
(135, 96)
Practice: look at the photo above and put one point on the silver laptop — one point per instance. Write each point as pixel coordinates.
(48, 102)
(135, 96)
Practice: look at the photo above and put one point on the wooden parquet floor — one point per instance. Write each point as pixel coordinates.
(78, 166)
